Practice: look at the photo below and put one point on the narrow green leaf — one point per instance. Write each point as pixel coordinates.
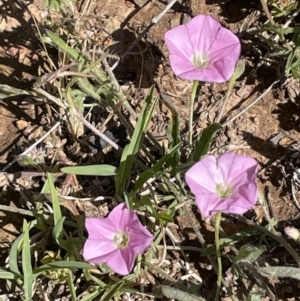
(280, 30)
(290, 272)
(72, 286)
(90, 277)
(174, 136)
(60, 43)
(174, 293)
(133, 148)
(111, 292)
(14, 254)
(26, 263)
(54, 200)
(91, 170)
(204, 141)
(165, 217)
(62, 265)
(7, 91)
(76, 56)
(92, 296)
(6, 275)
(230, 240)
(57, 232)
(157, 167)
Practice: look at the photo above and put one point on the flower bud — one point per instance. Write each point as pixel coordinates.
(292, 233)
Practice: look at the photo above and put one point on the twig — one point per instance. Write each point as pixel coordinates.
(159, 16)
(32, 146)
(16, 210)
(267, 12)
(97, 132)
(251, 104)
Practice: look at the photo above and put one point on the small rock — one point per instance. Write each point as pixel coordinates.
(21, 124)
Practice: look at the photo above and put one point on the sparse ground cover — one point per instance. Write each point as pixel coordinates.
(106, 169)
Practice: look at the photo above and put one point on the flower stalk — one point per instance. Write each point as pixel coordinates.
(218, 252)
(193, 96)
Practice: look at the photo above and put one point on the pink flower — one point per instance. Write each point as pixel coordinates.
(226, 184)
(203, 50)
(292, 233)
(116, 240)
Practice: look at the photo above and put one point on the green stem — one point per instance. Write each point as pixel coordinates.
(193, 96)
(219, 260)
(279, 239)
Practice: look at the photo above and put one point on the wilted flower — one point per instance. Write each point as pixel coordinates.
(292, 233)
(226, 184)
(203, 50)
(116, 240)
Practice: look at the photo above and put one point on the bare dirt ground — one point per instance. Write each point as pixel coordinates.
(268, 131)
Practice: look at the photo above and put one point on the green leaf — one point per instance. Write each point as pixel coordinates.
(54, 199)
(256, 296)
(156, 168)
(174, 138)
(290, 272)
(165, 217)
(131, 150)
(174, 293)
(111, 292)
(280, 30)
(90, 277)
(239, 70)
(14, 254)
(7, 91)
(92, 296)
(62, 265)
(6, 275)
(229, 241)
(91, 170)
(249, 253)
(26, 263)
(204, 141)
(72, 286)
(57, 232)
(60, 43)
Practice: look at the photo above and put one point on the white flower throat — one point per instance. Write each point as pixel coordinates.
(201, 61)
(121, 240)
(224, 190)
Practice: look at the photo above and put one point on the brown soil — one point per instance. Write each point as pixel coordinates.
(275, 115)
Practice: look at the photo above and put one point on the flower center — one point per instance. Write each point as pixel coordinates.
(200, 60)
(121, 240)
(223, 190)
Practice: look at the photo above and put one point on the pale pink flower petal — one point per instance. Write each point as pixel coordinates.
(235, 167)
(174, 40)
(292, 233)
(96, 251)
(116, 240)
(203, 31)
(205, 171)
(99, 229)
(120, 216)
(226, 184)
(122, 261)
(202, 199)
(140, 237)
(203, 37)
